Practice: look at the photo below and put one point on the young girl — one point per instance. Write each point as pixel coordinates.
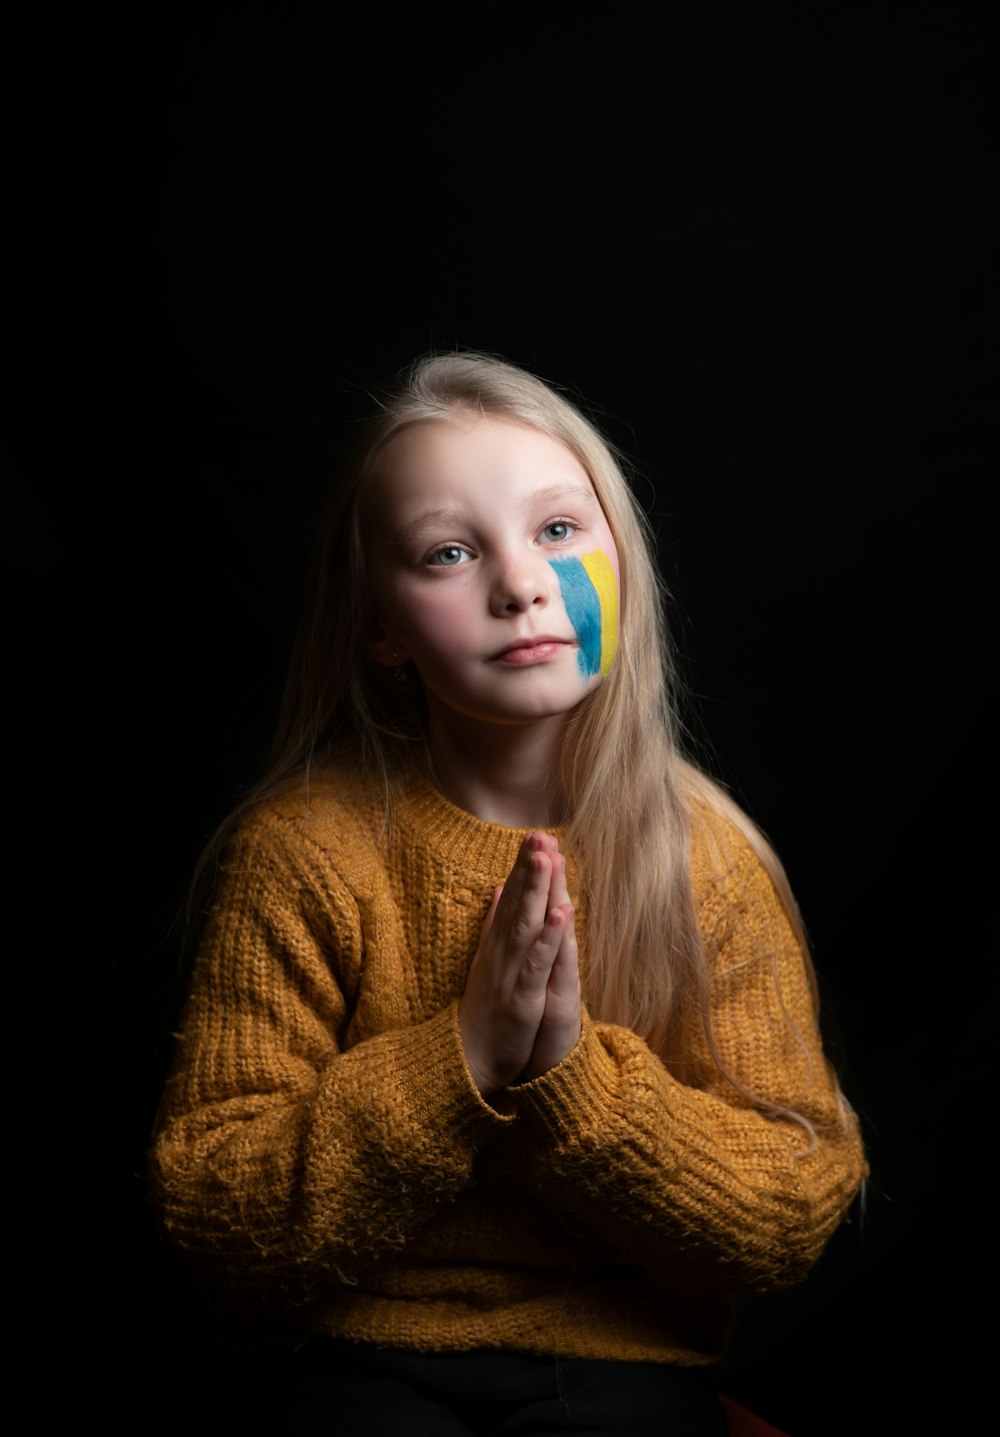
(500, 1066)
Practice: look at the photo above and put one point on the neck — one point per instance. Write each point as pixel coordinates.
(501, 773)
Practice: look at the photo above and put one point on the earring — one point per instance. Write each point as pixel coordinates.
(399, 671)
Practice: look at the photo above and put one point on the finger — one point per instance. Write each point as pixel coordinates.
(531, 912)
(558, 892)
(565, 975)
(531, 972)
(559, 1031)
(512, 891)
(518, 923)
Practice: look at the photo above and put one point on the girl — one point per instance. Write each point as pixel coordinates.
(500, 1066)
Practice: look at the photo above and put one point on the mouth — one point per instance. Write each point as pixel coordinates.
(535, 650)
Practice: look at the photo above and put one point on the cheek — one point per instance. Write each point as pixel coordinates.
(429, 624)
(589, 587)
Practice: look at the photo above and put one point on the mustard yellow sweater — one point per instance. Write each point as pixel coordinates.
(326, 1163)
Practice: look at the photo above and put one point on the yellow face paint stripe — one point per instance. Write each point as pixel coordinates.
(601, 573)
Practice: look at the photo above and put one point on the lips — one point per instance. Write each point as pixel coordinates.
(534, 650)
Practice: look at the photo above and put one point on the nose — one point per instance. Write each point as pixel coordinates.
(521, 583)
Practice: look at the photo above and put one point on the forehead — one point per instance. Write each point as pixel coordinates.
(479, 456)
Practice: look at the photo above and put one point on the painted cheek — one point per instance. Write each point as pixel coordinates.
(589, 587)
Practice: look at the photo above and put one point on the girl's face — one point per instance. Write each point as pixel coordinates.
(495, 569)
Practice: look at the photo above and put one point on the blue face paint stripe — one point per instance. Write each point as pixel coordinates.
(584, 610)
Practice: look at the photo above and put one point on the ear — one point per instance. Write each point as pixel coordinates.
(385, 649)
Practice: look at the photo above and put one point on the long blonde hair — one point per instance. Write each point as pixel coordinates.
(629, 789)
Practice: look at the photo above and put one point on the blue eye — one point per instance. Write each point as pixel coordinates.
(447, 557)
(559, 531)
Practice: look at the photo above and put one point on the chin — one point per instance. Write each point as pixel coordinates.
(526, 713)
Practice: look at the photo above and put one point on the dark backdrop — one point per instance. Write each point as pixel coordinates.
(758, 244)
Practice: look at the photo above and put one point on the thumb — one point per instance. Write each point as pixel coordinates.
(491, 912)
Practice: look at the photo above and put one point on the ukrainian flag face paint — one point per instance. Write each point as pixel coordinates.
(589, 588)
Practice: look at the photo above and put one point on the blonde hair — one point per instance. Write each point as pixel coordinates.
(629, 790)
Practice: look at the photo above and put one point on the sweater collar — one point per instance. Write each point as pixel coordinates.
(454, 837)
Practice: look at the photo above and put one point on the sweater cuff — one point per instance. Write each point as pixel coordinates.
(436, 1070)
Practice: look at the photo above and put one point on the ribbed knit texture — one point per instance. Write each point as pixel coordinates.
(325, 1161)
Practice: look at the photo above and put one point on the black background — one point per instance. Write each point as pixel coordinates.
(757, 243)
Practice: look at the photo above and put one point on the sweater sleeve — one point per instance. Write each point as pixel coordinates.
(285, 1152)
(709, 1188)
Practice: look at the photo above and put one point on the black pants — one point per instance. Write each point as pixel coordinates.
(350, 1390)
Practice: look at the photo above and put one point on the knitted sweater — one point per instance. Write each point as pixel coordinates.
(326, 1162)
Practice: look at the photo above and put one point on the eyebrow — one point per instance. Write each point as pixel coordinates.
(431, 517)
